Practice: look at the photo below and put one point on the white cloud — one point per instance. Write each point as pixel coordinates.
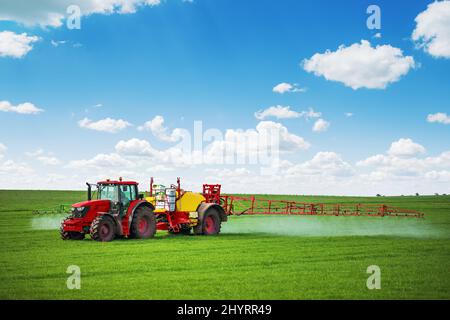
(57, 43)
(279, 112)
(321, 125)
(104, 125)
(361, 65)
(348, 114)
(285, 112)
(15, 45)
(2, 150)
(101, 161)
(377, 35)
(439, 117)
(23, 108)
(261, 144)
(136, 147)
(432, 31)
(401, 160)
(405, 148)
(48, 160)
(442, 176)
(45, 158)
(287, 87)
(390, 166)
(323, 163)
(11, 167)
(53, 12)
(156, 127)
(288, 141)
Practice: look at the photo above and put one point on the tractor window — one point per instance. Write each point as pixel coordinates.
(108, 192)
(127, 194)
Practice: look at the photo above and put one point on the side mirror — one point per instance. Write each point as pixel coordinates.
(141, 196)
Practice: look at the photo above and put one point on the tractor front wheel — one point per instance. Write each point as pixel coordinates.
(103, 229)
(70, 235)
(143, 225)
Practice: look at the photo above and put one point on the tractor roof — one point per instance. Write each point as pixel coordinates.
(118, 182)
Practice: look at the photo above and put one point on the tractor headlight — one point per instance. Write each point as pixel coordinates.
(79, 211)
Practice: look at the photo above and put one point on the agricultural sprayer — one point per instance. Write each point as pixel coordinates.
(119, 210)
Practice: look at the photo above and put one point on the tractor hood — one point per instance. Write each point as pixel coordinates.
(92, 203)
(81, 209)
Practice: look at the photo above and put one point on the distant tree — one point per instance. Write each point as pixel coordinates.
(436, 194)
(417, 194)
(378, 195)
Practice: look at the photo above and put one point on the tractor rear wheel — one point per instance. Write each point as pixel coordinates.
(70, 235)
(103, 229)
(210, 223)
(143, 225)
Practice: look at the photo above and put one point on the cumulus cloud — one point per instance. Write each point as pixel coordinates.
(260, 145)
(2, 150)
(432, 32)
(23, 108)
(361, 65)
(323, 163)
(442, 175)
(104, 125)
(14, 45)
(136, 147)
(402, 160)
(285, 112)
(405, 147)
(287, 87)
(263, 143)
(279, 112)
(439, 117)
(321, 125)
(51, 13)
(43, 157)
(157, 128)
(12, 167)
(112, 160)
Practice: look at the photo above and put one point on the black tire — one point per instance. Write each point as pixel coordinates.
(70, 235)
(210, 223)
(103, 229)
(143, 225)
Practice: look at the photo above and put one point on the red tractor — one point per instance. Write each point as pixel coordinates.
(118, 210)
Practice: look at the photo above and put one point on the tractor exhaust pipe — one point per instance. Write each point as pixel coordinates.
(89, 195)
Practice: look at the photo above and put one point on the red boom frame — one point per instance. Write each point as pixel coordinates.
(236, 205)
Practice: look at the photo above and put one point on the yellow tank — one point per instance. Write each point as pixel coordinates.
(189, 202)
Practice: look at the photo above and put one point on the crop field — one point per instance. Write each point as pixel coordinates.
(255, 257)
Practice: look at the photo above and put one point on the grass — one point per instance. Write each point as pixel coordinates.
(256, 257)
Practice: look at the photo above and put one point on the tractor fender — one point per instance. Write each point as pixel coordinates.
(138, 205)
(203, 207)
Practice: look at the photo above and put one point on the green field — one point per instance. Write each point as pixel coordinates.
(255, 257)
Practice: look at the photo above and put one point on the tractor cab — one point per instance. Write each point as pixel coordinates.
(120, 193)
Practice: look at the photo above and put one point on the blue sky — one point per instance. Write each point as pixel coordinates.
(218, 61)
